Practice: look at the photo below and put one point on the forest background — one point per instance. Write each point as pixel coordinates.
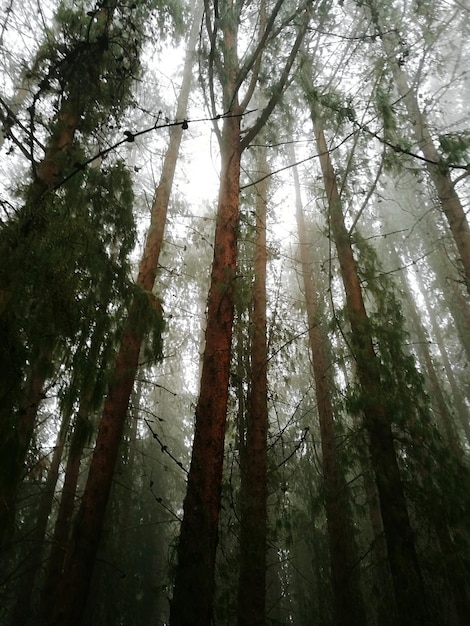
(234, 312)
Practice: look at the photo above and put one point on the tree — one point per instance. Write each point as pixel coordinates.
(347, 599)
(404, 565)
(70, 67)
(253, 492)
(70, 603)
(194, 581)
(439, 171)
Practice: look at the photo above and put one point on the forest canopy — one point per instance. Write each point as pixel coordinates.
(234, 312)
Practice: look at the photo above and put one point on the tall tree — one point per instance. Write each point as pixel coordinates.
(194, 581)
(406, 573)
(71, 601)
(34, 251)
(253, 492)
(347, 598)
(435, 162)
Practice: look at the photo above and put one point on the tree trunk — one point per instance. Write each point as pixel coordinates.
(457, 399)
(253, 533)
(65, 513)
(23, 611)
(15, 442)
(71, 599)
(404, 565)
(194, 582)
(348, 605)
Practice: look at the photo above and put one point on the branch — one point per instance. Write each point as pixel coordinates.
(164, 448)
(130, 137)
(279, 87)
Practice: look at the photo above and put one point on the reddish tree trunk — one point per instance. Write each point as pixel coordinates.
(404, 565)
(348, 605)
(252, 579)
(194, 583)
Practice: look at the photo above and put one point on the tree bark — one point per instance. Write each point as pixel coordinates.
(404, 565)
(348, 605)
(194, 583)
(253, 493)
(73, 591)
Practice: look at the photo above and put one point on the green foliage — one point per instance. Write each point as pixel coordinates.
(148, 321)
(385, 110)
(456, 148)
(402, 385)
(334, 105)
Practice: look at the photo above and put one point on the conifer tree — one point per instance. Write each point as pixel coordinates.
(253, 491)
(194, 582)
(439, 169)
(347, 599)
(145, 320)
(401, 544)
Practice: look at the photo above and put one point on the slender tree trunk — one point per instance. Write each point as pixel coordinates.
(457, 399)
(437, 395)
(404, 565)
(439, 174)
(65, 513)
(252, 579)
(194, 583)
(73, 592)
(23, 612)
(15, 443)
(348, 603)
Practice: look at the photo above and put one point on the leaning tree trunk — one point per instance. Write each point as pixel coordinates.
(348, 604)
(73, 592)
(253, 494)
(404, 565)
